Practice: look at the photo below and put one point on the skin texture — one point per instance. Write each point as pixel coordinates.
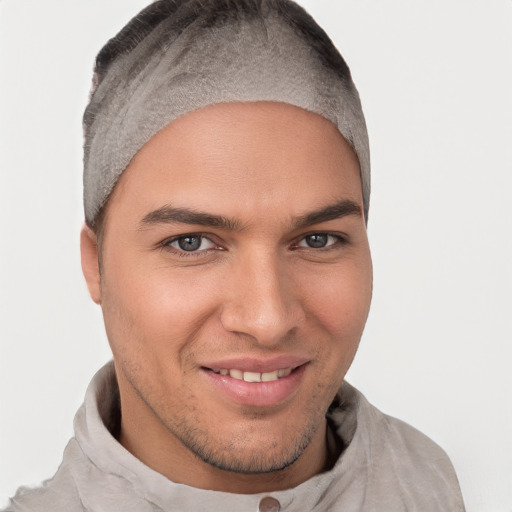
(255, 289)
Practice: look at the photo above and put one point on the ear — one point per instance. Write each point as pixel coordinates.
(90, 262)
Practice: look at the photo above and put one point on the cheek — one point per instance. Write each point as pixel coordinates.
(339, 297)
(339, 304)
(155, 311)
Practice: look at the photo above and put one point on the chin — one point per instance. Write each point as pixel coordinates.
(257, 450)
(251, 461)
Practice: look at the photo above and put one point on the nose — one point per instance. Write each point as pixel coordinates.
(261, 300)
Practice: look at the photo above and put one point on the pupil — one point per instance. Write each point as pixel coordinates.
(189, 243)
(317, 241)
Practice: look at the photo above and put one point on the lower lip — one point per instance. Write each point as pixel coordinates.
(257, 394)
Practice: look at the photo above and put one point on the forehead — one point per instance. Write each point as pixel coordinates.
(250, 155)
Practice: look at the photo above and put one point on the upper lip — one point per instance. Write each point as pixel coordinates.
(254, 364)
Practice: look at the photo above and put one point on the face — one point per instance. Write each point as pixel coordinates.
(235, 284)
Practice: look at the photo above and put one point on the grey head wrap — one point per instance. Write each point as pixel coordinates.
(177, 56)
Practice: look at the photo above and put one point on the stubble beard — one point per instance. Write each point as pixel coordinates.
(228, 457)
(232, 455)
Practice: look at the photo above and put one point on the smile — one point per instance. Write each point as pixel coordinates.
(256, 382)
(256, 376)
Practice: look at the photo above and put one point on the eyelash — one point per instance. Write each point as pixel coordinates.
(339, 241)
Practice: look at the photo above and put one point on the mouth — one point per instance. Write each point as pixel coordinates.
(257, 384)
(255, 376)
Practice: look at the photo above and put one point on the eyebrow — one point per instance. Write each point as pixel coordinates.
(331, 212)
(170, 214)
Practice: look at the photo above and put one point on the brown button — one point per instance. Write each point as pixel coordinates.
(269, 504)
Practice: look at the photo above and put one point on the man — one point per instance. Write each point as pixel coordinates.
(226, 191)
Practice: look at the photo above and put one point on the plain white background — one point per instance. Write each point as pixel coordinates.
(435, 79)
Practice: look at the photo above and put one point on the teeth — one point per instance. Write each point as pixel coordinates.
(236, 374)
(269, 376)
(252, 377)
(255, 376)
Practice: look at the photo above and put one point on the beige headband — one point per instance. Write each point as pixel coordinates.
(179, 56)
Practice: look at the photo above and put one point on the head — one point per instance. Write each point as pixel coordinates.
(235, 276)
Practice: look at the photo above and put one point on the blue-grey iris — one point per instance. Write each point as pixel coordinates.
(189, 243)
(317, 241)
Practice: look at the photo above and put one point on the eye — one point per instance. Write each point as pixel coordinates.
(190, 243)
(319, 241)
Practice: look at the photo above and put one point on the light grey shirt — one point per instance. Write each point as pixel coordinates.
(386, 466)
